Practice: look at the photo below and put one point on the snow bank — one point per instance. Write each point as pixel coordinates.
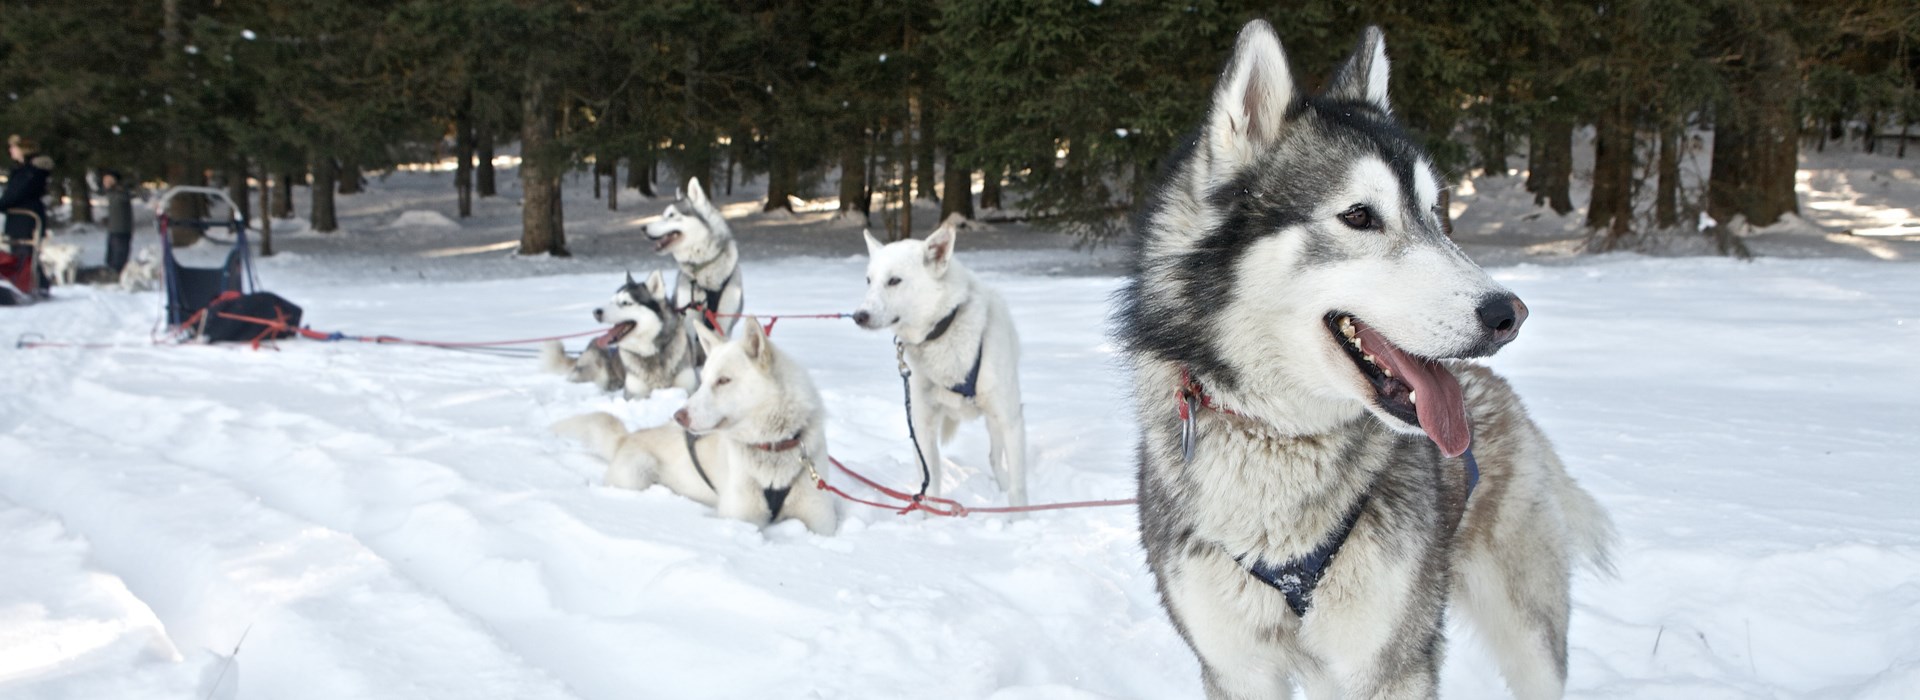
(422, 218)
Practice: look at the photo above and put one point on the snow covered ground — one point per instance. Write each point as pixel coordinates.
(394, 522)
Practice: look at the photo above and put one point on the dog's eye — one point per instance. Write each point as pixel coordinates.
(723, 381)
(893, 281)
(1360, 218)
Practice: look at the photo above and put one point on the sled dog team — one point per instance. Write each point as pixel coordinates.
(753, 423)
(1323, 474)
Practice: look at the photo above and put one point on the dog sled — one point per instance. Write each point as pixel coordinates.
(20, 274)
(217, 304)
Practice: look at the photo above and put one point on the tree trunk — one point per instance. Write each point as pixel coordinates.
(186, 207)
(1666, 195)
(640, 174)
(990, 188)
(483, 166)
(957, 195)
(1550, 169)
(595, 173)
(1493, 148)
(238, 191)
(266, 222)
(1905, 127)
(1611, 207)
(925, 179)
(324, 176)
(540, 213)
(1755, 148)
(733, 152)
(82, 199)
(780, 175)
(349, 177)
(282, 205)
(853, 177)
(613, 183)
(463, 157)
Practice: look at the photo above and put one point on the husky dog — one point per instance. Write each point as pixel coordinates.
(745, 442)
(142, 272)
(701, 243)
(958, 338)
(1295, 323)
(642, 352)
(60, 261)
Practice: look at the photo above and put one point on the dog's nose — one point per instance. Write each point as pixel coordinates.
(861, 317)
(1501, 316)
(680, 417)
(597, 316)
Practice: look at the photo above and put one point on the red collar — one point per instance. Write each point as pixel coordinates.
(1190, 393)
(780, 446)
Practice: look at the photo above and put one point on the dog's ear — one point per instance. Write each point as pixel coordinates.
(629, 279)
(695, 195)
(873, 244)
(709, 339)
(656, 284)
(754, 341)
(1250, 103)
(940, 249)
(1364, 77)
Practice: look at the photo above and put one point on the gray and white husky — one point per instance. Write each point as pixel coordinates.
(958, 338)
(745, 443)
(701, 243)
(1296, 323)
(645, 350)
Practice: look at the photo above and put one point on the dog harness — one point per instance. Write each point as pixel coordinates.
(1295, 578)
(777, 497)
(697, 469)
(709, 302)
(970, 387)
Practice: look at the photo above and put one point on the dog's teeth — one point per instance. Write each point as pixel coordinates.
(1370, 360)
(1413, 397)
(1386, 370)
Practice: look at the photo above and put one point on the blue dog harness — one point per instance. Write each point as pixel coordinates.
(1295, 578)
(970, 387)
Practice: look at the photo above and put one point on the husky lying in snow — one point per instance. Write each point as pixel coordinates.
(1307, 495)
(701, 243)
(645, 350)
(744, 442)
(60, 261)
(960, 342)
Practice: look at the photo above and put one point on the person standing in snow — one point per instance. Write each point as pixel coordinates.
(119, 220)
(26, 188)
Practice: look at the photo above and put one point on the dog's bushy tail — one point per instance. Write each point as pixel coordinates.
(1590, 528)
(553, 358)
(601, 431)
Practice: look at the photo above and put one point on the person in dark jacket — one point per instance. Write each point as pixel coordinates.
(119, 219)
(26, 188)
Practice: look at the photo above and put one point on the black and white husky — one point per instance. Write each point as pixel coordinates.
(958, 337)
(645, 350)
(1322, 476)
(693, 231)
(746, 442)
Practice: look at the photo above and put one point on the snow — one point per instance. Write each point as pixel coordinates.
(422, 218)
(367, 521)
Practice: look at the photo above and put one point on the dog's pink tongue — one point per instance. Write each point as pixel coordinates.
(1438, 402)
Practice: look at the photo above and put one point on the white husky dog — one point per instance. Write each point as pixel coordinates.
(142, 272)
(60, 261)
(701, 243)
(745, 443)
(643, 351)
(959, 340)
